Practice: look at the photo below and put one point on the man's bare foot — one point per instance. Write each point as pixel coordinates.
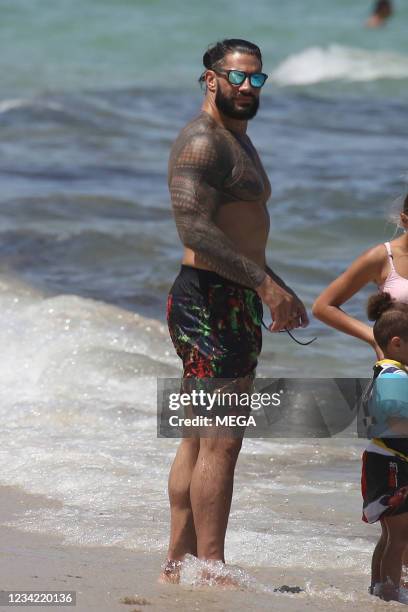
(216, 574)
(226, 581)
(171, 572)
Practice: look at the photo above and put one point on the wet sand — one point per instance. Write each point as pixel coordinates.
(110, 579)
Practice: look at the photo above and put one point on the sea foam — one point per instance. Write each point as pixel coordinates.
(337, 62)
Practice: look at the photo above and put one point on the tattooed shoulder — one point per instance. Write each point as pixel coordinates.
(202, 150)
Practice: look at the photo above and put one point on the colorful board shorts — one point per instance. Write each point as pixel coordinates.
(384, 486)
(214, 324)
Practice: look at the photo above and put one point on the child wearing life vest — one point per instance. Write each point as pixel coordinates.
(384, 480)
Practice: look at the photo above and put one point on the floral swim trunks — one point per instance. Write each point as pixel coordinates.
(214, 324)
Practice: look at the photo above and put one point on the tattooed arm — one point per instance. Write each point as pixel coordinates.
(198, 169)
(278, 280)
(301, 310)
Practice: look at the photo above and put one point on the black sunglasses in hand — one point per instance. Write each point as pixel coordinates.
(291, 335)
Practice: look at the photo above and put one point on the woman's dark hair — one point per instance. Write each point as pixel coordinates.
(215, 53)
(391, 318)
(405, 207)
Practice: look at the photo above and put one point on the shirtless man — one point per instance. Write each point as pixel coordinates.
(219, 191)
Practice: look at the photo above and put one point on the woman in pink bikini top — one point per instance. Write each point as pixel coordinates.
(386, 265)
(395, 284)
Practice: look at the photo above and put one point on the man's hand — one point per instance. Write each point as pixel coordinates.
(287, 311)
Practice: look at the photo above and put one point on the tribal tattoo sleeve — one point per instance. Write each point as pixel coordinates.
(278, 280)
(198, 170)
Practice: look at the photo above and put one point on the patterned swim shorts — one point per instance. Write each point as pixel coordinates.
(214, 324)
(384, 486)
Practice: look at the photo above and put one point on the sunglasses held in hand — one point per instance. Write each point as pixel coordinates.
(291, 335)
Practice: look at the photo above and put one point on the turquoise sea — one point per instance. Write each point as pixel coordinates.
(55, 46)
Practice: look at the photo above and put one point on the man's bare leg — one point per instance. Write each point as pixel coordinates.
(211, 493)
(183, 538)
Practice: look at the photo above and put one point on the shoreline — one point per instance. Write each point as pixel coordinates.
(103, 577)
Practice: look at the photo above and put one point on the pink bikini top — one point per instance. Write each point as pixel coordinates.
(395, 285)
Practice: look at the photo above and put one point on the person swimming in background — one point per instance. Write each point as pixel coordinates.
(384, 479)
(383, 10)
(386, 265)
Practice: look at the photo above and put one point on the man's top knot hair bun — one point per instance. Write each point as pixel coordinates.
(378, 304)
(207, 60)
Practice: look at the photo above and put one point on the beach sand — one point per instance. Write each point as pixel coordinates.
(103, 577)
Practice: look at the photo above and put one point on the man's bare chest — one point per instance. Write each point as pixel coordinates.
(248, 179)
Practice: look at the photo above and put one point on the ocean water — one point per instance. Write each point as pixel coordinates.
(93, 94)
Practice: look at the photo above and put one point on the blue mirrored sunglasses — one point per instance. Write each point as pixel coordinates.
(237, 77)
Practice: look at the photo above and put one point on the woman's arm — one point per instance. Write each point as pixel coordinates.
(365, 269)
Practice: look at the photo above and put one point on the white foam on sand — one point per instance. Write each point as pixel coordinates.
(339, 63)
(196, 573)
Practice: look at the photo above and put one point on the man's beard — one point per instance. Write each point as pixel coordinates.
(228, 106)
